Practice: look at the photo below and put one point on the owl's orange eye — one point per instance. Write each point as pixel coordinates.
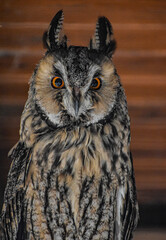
(57, 82)
(96, 83)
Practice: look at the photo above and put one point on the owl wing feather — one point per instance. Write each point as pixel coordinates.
(129, 211)
(128, 215)
(13, 197)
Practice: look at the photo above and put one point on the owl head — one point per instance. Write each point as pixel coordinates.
(75, 85)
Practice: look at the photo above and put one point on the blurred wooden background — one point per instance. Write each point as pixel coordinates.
(140, 30)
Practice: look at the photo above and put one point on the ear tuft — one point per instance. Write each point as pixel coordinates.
(54, 37)
(103, 37)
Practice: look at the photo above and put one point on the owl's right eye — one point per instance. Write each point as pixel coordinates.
(57, 82)
(96, 83)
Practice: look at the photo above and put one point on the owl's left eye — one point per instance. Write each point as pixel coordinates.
(57, 82)
(96, 83)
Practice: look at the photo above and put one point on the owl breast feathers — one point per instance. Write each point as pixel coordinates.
(71, 175)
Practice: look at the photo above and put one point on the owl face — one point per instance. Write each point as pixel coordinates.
(75, 85)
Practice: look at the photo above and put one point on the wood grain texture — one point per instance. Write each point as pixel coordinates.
(148, 234)
(140, 31)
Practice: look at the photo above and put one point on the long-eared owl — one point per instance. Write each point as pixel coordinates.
(72, 174)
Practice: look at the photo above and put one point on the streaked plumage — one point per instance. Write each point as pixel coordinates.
(72, 175)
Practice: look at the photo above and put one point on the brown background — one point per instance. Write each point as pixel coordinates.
(140, 31)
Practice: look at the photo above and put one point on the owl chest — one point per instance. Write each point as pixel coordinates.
(74, 153)
(61, 165)
(71, 210)
(71, 179)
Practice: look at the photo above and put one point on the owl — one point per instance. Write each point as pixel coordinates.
(72, 173)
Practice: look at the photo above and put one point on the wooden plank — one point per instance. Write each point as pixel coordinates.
(150, 234)
(147, 142)
(150, 183)
(17, 38)
(85, 11)
(150, 196)
(127, 38)
(153, 163)
(139, 114)
(138, 92)
(147, 113)
(129, 80)
(139, 66)
(131, 64)
(145, 137)
(148, 179)
(17, 62)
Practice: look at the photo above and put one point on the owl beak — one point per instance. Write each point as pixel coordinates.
(76, 99)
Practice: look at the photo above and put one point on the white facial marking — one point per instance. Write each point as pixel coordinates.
(54, 118)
